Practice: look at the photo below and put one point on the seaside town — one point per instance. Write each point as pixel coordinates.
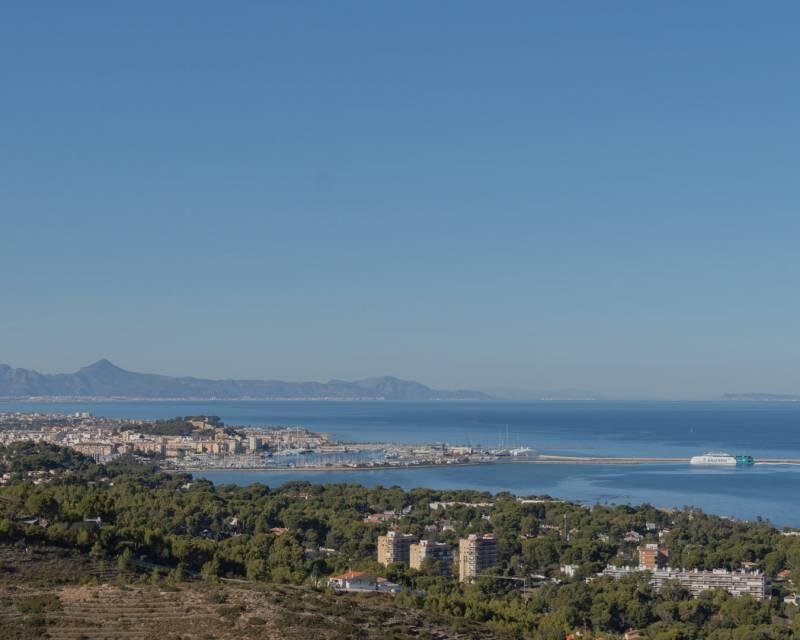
(205, 442)
(199, 443)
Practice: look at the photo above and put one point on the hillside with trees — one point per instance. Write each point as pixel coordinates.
(132, 524)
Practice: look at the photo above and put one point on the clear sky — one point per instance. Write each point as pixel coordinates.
(524, 194)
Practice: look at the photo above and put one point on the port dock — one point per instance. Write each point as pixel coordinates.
(528, 460)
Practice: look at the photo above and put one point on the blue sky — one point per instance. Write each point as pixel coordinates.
(532, 195)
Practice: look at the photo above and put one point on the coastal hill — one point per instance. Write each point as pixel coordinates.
(104, 379)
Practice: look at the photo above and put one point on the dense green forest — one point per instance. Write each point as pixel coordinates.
(195, 529)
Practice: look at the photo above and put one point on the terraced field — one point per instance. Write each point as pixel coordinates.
(97, 613)
(201, 611)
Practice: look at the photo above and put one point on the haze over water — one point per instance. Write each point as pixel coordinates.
(664, 429)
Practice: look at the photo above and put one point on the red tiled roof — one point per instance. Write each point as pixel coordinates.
(349, 575)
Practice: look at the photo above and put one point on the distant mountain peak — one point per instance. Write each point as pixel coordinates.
(102, 365)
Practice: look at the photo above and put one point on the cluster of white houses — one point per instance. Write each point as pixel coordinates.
(106, 438)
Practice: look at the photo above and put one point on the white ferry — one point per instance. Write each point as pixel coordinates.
(714, 458)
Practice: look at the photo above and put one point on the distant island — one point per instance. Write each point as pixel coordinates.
(105, 380)
(762, 397)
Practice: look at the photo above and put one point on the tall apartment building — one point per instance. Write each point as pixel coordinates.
(395, 547)
(440, 551)
(476, 553)
(652, 557)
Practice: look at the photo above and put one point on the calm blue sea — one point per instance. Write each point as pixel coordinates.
(598, 428)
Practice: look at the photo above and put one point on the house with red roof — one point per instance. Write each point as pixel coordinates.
(362, 581)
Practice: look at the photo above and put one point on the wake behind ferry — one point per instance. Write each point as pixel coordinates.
(715, 458)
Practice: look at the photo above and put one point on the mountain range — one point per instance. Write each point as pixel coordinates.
(103, 379)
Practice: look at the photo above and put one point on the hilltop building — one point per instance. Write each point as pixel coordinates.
(476, 553)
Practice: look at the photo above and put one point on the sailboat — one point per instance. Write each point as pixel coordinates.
(505, 450)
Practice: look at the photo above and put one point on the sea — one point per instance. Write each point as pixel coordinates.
(594, 428)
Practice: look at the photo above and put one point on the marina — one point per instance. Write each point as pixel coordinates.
(615, 452)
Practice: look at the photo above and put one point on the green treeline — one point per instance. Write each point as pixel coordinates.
(196, 528)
